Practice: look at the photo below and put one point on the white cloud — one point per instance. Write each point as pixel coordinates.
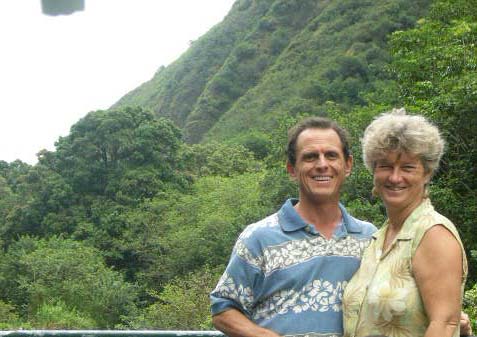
(55, 69)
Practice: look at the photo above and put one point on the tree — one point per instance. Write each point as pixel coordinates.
(218, 159)
(201, 227)
(436, 67)
(103, 146)
(183, 303)
(64, 273)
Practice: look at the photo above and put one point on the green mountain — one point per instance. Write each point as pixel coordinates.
(270, 58)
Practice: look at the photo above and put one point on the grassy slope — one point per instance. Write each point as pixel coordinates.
(174, 90)
(270, 58)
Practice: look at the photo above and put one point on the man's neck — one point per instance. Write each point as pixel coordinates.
(325, 216)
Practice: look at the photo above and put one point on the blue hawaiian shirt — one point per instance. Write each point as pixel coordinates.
(286, 277)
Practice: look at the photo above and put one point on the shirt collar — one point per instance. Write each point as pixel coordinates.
(291, 221)
(289, 218)
(407, 230)
(352, 226)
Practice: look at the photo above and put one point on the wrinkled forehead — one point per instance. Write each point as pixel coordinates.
(398, 156)
(313, 137)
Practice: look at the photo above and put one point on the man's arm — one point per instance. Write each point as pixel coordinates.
(235, 324)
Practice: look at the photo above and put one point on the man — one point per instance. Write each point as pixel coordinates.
(287, 272)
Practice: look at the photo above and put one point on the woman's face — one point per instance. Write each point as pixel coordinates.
(400, 179)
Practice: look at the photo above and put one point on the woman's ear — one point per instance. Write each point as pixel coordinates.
(427, 178)
(374, 192)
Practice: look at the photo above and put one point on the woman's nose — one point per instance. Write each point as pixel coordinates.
(395, 176)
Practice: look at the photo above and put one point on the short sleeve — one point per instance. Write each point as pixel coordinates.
(239, 283)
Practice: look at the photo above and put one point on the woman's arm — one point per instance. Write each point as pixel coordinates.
(235, 324)
(437, 267)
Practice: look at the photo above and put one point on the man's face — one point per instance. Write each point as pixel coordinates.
(320, 167)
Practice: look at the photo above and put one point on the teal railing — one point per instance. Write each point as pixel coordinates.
(109, 333)
(113, 333)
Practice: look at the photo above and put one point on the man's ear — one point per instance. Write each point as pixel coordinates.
(291, 170)
(348, 165)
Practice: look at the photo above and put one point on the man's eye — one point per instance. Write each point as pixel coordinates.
(313, 156)
(309, 157)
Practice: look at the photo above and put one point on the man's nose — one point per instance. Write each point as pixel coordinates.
(321, 161)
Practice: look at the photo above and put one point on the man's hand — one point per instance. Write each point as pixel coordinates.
(465, 326)
(235, 324)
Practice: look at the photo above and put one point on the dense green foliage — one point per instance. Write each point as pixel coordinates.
(131, 220)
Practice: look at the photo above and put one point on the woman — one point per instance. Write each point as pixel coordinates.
(412, 275)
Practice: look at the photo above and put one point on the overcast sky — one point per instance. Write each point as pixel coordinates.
(55, 69)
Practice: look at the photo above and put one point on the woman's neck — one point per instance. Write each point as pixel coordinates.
(397, 216)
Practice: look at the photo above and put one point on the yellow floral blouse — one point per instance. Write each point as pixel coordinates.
(382, 298)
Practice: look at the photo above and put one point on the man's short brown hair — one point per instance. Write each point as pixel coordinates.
(316, 123)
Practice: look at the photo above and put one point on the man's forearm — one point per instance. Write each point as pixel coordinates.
(235, 324)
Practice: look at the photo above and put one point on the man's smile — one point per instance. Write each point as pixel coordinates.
(321, 178)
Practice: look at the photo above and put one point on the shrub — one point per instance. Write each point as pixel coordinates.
(59, 316)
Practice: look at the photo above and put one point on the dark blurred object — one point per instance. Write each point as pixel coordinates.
(61, 7)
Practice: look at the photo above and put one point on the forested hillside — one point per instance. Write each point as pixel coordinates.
(129, 222)
(273, 58)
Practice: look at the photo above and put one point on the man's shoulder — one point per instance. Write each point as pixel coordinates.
(263, 226)
(366, 228)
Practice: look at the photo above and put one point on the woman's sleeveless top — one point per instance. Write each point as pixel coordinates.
(382, 298)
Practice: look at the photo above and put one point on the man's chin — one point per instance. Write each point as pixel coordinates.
(321, 196)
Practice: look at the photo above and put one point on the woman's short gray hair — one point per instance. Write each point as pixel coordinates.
(397, 131)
